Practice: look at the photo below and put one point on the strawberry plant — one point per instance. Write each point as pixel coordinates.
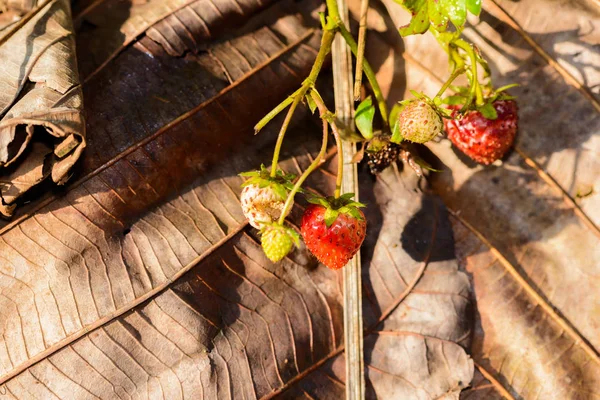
(479, 120)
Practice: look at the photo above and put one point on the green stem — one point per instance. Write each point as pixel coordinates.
(290, 199)
(299, 94)
(334, 14)
(475, 88)
(369, 73)
(328, 116)
(455, 74)
(274, 112)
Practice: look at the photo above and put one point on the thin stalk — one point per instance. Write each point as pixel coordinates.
(330, 118)
(475, 88)
(457, 72)
(290, 199)
(309, 82)
(370, 74)
(360, 55)
(274, 112)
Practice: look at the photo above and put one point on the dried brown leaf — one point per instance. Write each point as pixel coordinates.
(533, 252)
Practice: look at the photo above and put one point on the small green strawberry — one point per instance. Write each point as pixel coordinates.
(419, 121)
(263, 197)
(277, 241)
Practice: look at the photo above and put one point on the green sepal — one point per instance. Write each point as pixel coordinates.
(365, 113)
(334, 207)
(311, 103)
(506, 87)
(488, 111)
(330, 216)
(281, 183)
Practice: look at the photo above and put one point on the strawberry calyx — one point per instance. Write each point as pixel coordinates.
(336, 206)
(281, 183)
(461, 98)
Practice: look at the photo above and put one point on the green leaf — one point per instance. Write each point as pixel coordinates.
(488, 111)
(474, 6)
(420, 17)
(330, 216)
(436, 15)
(456, 10)
(365, 112)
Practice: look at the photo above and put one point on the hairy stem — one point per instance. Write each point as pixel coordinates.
(475, 88)
(290, 199)
(309, 82)
(455, 74)
(370, 74)
(274, 112)
(330, 118)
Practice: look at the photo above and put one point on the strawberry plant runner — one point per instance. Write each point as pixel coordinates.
(353, 320)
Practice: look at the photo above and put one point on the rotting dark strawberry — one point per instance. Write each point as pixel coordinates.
(381, 154)
(482, 139)
(334, 229)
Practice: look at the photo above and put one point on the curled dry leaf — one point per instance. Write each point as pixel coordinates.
(144, 280)
(41, 123)
(532, 251)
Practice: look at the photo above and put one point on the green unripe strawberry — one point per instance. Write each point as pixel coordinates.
(419, 122)
(277, 241)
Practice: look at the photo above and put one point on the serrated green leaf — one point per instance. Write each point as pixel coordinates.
(419, 22)
(365, 113)
(330, 216)
(474, 7)
(488, 111)
(397, 136)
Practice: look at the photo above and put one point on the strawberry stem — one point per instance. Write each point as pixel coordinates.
(369, 73)
(290, 199)
(455, 74)
(329, 117)
(475, 87)
(274, 112)
(326, 41)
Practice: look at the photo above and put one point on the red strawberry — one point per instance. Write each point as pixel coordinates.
(334, 229)
(484, 140)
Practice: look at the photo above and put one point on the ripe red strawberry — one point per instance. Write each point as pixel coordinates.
(484, 140)
(334, 229)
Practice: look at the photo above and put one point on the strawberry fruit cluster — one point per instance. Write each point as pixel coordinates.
(479, 120)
